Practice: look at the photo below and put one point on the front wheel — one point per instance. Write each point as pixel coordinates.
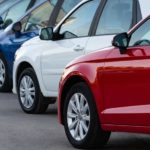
(29, 93)
(81, 121)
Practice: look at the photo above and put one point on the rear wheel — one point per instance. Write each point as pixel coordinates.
(81, 121)
(29, 93)
(5, 83)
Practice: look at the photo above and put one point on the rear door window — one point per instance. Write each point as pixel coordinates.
(116, 17)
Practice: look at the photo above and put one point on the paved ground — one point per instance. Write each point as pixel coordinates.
(19, 131)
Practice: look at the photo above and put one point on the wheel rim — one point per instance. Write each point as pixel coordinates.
(78, 116)
(2, 73)
(27, 91)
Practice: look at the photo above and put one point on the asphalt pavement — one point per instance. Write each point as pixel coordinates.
(20, 131)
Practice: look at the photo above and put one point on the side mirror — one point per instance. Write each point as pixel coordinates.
(1, 20)
(46, 33)
(16, 28)
(121, 41)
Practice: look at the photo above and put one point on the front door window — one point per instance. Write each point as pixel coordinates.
(141, 37)
(116, 17)
(79, 23)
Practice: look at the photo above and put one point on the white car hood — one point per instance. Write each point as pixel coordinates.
(34, 41)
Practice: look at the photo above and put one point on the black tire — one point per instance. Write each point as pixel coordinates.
(7, 84)
(95, 137)
(39, 105)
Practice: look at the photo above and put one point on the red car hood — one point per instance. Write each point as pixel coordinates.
(99, 55)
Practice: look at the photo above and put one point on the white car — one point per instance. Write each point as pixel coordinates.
(90, 26)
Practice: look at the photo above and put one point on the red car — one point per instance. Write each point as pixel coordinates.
(108, 90)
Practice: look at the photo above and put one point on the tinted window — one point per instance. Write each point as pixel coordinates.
(78, 24)
(116, 17)
(66, 7)
(141, 36)
(39, 1)
(39, 17)
(5, 5)
(17, 11)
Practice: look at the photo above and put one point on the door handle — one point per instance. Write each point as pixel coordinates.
(78, 48)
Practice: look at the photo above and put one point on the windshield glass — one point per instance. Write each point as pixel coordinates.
(4, 5)
(17, 11)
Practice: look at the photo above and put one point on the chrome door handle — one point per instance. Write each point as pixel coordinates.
(78, 48)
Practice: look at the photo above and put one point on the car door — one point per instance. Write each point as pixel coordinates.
(126, 81)
(113, 17)
(57, 54)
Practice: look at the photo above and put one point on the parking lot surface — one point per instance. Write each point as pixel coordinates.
(20, 131)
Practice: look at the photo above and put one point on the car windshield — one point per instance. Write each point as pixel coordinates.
(5, 4)
(17, 11)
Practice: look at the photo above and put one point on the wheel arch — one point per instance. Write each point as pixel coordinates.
(68, 84)
(22, 66)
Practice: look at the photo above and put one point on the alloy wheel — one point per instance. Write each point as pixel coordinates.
(27, 91)
(78, 116)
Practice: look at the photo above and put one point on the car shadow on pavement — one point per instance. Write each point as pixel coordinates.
(52, 110)
(127, 141)
(121, 141)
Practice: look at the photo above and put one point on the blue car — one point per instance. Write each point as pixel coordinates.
(48, 13)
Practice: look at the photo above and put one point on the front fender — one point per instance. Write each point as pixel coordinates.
(88, 72)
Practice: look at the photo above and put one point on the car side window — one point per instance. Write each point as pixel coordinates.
(141, 37)
(65, 8)
(16, 12)
(40, 17)
(79, 23)
(116, 17)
